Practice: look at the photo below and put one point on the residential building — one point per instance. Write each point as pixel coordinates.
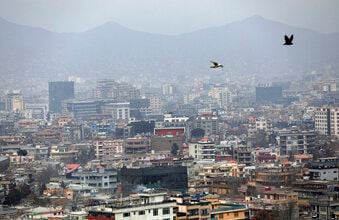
(137, 145)
(155, 104)
(294, 141)
(108, 148)
(324, 169)
(194, 210)
(202, 151)
(327, 121)
(148, 205)
(285, 175)
(100, 178)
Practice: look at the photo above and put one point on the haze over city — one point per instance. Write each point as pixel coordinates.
(169, 109)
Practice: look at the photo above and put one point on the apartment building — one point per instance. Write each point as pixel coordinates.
(327, 121)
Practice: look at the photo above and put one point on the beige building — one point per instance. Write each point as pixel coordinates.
(222, 95)
(327, 121)
(108, 148)
(14, 102)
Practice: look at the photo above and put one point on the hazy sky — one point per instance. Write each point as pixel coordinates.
(168, 16)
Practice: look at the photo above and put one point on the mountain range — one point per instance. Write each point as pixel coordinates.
(250, 46)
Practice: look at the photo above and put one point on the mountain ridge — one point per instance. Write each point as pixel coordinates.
(252, 45)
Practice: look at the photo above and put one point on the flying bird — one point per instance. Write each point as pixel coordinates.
(288, 40)
(216, 65)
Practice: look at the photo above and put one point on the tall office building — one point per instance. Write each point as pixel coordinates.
(327, 121)
(58, 92)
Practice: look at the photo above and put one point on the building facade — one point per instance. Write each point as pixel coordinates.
(327, 121)
(58, 92)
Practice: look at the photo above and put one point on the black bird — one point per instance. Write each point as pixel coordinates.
(288, 40)
(216, 65)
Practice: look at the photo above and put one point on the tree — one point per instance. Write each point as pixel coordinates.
(174, 149)
(16, 194)
(197, 133)
(21, 153)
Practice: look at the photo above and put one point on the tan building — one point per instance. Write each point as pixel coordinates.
(108, 148)
(209, 207)
(155, 104)
(137, 145)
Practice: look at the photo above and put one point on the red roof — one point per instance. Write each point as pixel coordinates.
(72, 167)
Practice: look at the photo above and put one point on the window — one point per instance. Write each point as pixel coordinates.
(165, 211)
(236, 214)
(127, 214)
(155, 212)
(142, 212)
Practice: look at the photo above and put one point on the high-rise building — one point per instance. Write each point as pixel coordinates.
(58, 92)
(267, 93)
(14, 101)
(327, 121)
(222, 95)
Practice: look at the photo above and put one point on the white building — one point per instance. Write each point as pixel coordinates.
(324, 169)
(203, 151)
(101, 179)
(148, 205)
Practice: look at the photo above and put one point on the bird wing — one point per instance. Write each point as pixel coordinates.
(286, 38)
(291, 38)
(214, 63)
